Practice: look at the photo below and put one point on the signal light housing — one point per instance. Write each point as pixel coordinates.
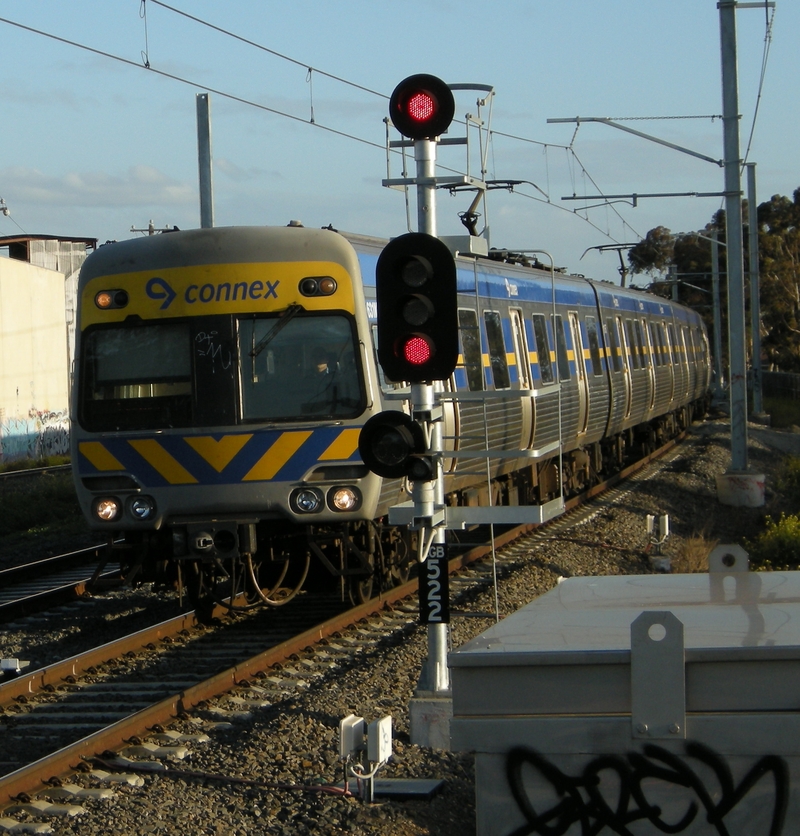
(422, 107)
(417, 309)
(391, 444)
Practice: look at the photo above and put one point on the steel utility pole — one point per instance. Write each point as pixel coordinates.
(733, 225)
(755, 300)
(204, 160)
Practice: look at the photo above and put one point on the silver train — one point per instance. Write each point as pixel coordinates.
(222, 377)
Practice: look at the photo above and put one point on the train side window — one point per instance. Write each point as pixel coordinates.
(654, 343)
(562, 358)
(640, 343)
(673, 343)
(497, 349)
(662, 339)
(594, 345)
(471, 348)
(632, 344)
(691, 349)
(613, 344)
(542, 348)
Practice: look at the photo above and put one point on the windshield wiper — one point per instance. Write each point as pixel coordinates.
(273, 332)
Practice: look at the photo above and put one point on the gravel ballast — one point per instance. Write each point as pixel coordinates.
(295, 741)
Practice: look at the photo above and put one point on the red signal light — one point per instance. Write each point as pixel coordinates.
(422, 107)
(417, 350)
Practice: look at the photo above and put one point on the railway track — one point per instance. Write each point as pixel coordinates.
(58, 716)
(34, 587)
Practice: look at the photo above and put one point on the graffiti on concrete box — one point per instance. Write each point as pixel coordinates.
(612, 792)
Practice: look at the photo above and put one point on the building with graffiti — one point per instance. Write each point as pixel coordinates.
(38, 276)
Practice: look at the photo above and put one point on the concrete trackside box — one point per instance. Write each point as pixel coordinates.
(638, 705)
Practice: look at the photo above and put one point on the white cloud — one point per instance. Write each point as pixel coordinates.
(141, 185)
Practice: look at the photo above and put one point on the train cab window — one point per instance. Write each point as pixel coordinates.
(613, 344)
(497, 350)
(305, 367)
(136, 377)
(542, 347)
(562, 358)
(471, 348)
(632, 344)
(594, 345)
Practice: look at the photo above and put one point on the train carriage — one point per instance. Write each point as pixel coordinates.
(222, 377)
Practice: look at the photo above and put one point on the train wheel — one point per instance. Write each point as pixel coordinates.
(397, 567)
(361, 588)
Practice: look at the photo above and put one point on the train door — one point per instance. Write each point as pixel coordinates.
(643, 334)
(685, 345)
(667, 355)
(580, 370)
(525, 379)
(626, 366)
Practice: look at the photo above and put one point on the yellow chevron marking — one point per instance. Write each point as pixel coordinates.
(219, 454)
(343, 446)
(276, 457)
(99, 456)
(168, 466)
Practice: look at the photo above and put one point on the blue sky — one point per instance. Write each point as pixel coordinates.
(90, 146)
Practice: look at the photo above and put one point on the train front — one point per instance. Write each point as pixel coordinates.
(220, 383)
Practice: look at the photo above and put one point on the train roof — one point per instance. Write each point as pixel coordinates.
(219, 245)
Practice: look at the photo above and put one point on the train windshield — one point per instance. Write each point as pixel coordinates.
(137, 378)
(295, 367)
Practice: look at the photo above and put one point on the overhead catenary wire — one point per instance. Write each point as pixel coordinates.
(188, 82)
(764, 60)
(147, 65)
(277, 54)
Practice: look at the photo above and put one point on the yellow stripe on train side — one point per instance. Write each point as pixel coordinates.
(99, 457)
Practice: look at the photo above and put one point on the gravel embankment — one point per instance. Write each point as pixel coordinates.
(295, 741)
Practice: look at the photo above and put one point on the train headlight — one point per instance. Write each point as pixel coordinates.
(306, 500)
(142, 507)
(344, 498)
(107, 299)
(318, 286)
(107, 508)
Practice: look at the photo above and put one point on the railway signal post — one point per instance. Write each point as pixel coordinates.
(418, 343)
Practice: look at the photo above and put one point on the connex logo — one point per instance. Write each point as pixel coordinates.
(158, 289)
